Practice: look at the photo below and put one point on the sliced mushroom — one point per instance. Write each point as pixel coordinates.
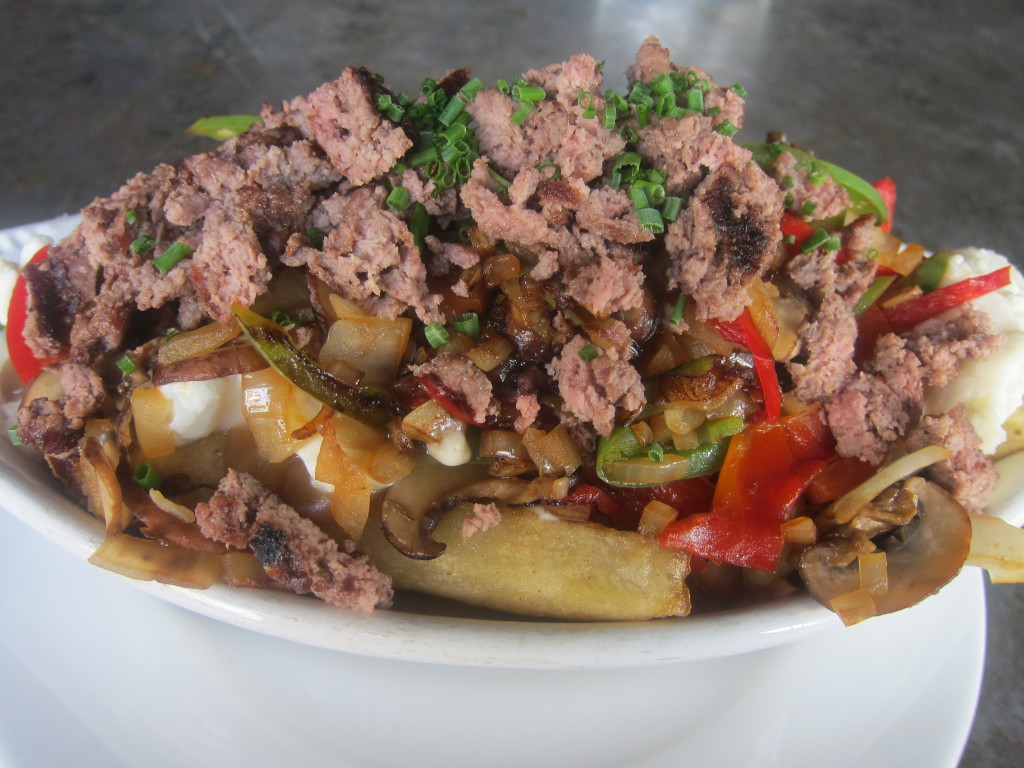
(227, 361)
(921, 556)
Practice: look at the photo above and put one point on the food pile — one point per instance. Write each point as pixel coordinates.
(540, 346)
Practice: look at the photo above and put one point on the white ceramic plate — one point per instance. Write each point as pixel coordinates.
(96, 674)
(29, 492)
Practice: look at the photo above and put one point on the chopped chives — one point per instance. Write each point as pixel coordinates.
(452, 110)
(126, 364)
(503, 87)
(165, 262)
(626, 167)
(469, 324)
(419, 225)
(428, 85)
(650, 219)
(588, 353)
(713, 111)
(789, 201)
(739, 90)
(695, 100)
(639, 196)
(726, 128)
(399, 198)
(662, 84)
(834, 243)
(524, 92)
(656, 453)
(281, 317)
(12, 433)
(471, 89)
(671, 208)
(643, 115)
(146, 476)
(677, 311)
(142, 244)
(808, 207)
(131, 217)
(789, 239)
(316, 237)
(815, 241)
(423, 157)
(519, 116)
(436, 335)
(787, 181)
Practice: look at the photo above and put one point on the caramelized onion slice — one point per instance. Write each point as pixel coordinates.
(195, 343)
(998, 547)
(148, 560)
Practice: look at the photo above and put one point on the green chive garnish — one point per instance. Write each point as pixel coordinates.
(650, 219)
(126, 364)
(656, 453)
(223, 127)
(677, 311)
(165, 262)
(399, 198)
(469, 324)
(671, 208)
(316, 237)
(726, 128)
(815, 241)
(530, 93)
(146, 476)
(519, 116)
(739, 90)
(808, 207)
(588, 353)
(142, 244)
(436, 335)
(131, 217)
(12, 432)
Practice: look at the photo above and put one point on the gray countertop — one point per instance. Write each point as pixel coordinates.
(927, 92)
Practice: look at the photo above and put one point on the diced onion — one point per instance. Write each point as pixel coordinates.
(683, 421)
(151, 415)
(350, 503)
(643, 471)
(655, 517)
(167, 505)
(799, 530)
(845, 508)
(490, 353)
(373, 345)
(243, 569)
(270, 413)
(555, 452)
(854, 607)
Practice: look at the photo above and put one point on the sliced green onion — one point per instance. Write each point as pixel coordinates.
(12, 433)
(423, 157)
(588, 353)
(316, 237)
(452, 110)
(695, 100)
(281, 317)
(519, 116)
(739, 90)
(131, 217)
(625, 168)
(469, 324)
(419, 225)
(223, 127)
(142, 244)
(815, 241)
(386, 105)
(656, 453)
(713, 111)
(146, 476)
(528, 93)
(808, 207)
(503, 87)
(639, 196)
(472, 88)
(671, 208)
(834, 243)
(789, 201)
(436, 335)
(726, 128)
(498, 178)
(428, 85)
(165, 262)
(643, 115)
(126, 364)
(677, 311)
(650, 219)
(662, 84)
(399, 198)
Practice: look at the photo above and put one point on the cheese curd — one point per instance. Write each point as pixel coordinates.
(200, 408)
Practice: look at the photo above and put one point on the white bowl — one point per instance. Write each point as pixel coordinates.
(29, 492)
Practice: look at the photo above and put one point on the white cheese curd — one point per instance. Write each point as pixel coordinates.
(31, 247)
(452, 449)
(308, 452)
(992, 389)
(200, 408)
(8, 276)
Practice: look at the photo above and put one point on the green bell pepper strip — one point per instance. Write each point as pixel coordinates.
(271, 340)
(623, 444)
(864, 198)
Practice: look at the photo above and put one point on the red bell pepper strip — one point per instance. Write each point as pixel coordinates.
(887, 189)
(766, 470)
(743, 331)
(25, 363)
(909, 313)
(624, 506)
(796, 228)
(447, 400)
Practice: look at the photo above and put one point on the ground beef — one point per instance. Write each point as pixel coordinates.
(829, 334)
(295, 552)
(593, 390)
(484, 517)
(688, 149)
(370, 256)
(42, 424)
(725, 239)
(969, 475)
(880, 403)
(826, 198)
(343, 120)
(465, 381)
